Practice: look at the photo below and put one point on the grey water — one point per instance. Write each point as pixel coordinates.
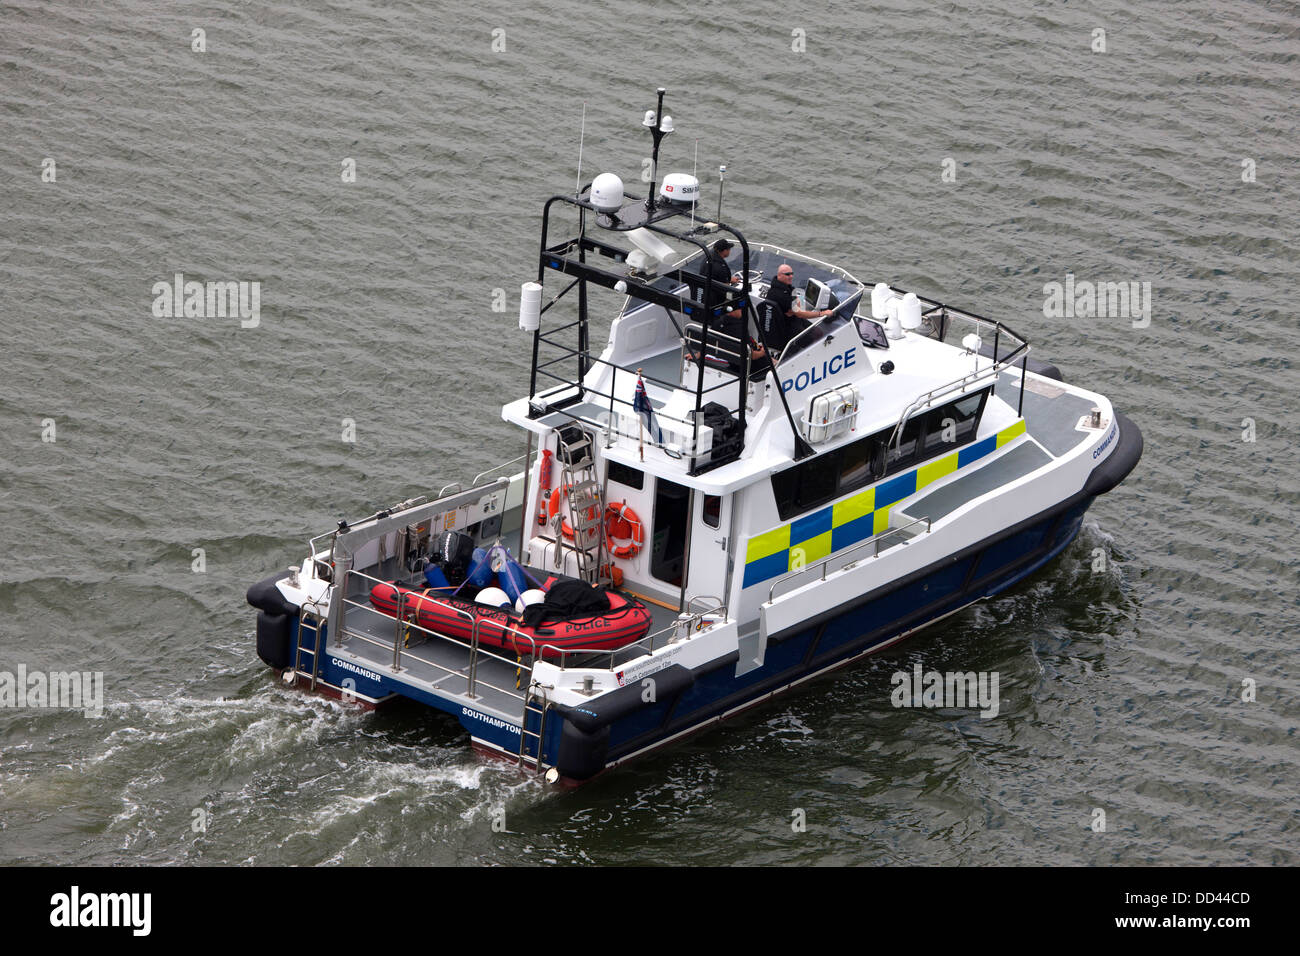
(153, 467)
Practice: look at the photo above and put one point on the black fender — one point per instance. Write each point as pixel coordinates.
(1118, 463)
(581, 754)
(584, 737)
(265, 596)
(275, 639)
(276, 619)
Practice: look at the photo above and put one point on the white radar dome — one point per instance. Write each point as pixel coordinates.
(680, 187)
(607, 192)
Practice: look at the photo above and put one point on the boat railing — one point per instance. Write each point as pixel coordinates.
(499, 471)
(607, 420)
(711, 343)
(320, 548)
(405, 622)
(700, 613)
(874, 543)
(800, 257)
(997, 363)
(689, 622)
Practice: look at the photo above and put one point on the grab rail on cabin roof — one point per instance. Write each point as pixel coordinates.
(711, 347)
(671, 450)
(996, 366)
(873, 541)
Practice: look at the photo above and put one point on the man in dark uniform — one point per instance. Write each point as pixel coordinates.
(717, 269)
(732, 323)
(788, 321)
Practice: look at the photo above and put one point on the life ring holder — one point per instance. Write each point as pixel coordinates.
(553, 509)
(621, 514)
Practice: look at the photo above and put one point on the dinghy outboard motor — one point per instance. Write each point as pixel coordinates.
(452, 552)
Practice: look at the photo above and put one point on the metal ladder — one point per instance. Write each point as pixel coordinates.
(586, 507)
(540, 734)
(309, 624)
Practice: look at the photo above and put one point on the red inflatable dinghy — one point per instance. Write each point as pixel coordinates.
(627, 620)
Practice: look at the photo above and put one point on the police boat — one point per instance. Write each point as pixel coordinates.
(780, 467)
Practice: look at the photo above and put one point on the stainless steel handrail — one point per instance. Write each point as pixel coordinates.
(473, 646)
(708, 348)
(874, 540)
(995, 368)
(695, 618)
(800, 257)
(408, 654)
(498, 469)
(400, 623)
(316, 552)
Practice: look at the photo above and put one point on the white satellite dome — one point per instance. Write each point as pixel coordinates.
(607, 192)
(680, 187)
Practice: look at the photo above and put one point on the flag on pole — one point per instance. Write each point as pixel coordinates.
(641, 405)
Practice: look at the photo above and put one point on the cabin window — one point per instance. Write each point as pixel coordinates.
(855, 465)
(624, 475)
(829, 475)
(785, 486)
(712, 510)
(836, 473)
(902, 453)
(953, 424)
(818, 481)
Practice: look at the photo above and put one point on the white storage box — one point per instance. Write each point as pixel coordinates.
(832, 413)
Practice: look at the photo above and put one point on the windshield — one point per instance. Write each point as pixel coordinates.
(819, 329)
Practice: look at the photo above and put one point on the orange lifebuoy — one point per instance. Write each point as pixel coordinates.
(622, 522)
(553, 508)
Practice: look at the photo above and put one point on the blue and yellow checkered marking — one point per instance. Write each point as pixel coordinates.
(821, 533)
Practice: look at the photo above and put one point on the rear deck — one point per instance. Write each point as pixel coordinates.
(487, 679)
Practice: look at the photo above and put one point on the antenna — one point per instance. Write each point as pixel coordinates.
(694, 169)
(577, 187)
(659, 126)
(722, 177)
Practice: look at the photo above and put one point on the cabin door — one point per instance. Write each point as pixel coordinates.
(668, 532)
(710, 531)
